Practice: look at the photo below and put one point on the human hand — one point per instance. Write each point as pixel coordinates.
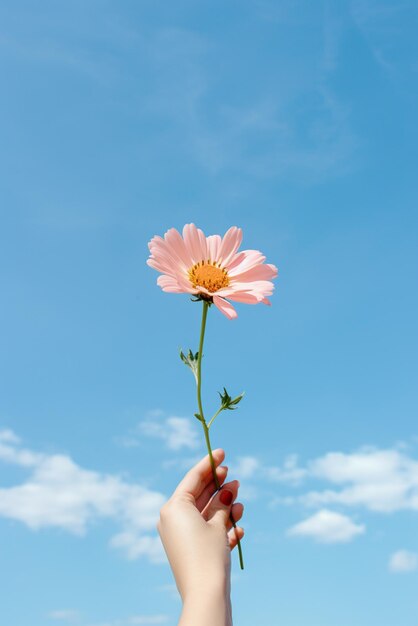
(196, 531)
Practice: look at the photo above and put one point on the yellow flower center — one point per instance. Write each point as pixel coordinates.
(209, 275)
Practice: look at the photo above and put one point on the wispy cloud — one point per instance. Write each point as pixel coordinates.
(252, 467)
(379, 480)
(64, 615)
(60, 494)
(403, 561)
(388, 28)
(291, 126)
(63, 40)
(245, 466)
(71, 617)
(176, 432)
(370, 478)
(327, 526)
(159, 618)
(148, 619)
(301, 130)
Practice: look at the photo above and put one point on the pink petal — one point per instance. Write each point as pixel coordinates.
(154, 240)
(259, 288)
(266, 301)
(203, 245)
(230, 244)
(213, 243)
(169, 283)
(246, 298)
(162, 252)
(264, 271)
(251, 259)
(225, 307)
(236, 260)
(193, 243)
(159, 265)
(170, 268)
(178, 248)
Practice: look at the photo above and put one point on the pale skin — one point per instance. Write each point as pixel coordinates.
(198, 537)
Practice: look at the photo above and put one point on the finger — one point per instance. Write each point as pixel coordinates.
(237, 511)
(233, 534)
(219, 508)
(208, 491)
(199, 476)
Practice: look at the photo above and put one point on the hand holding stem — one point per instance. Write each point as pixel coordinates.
(202, 417)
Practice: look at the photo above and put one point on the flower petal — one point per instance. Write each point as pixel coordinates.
(213, 243)
(259, 288)
(249, 277)
(162, 253)
(203, 245)
(178, 248)
(193, 243)
(246, 298)
(250, 259)
(265, 271)
(159, 265)
(225, 307)
(230, 244)
(169, 283)
(235, 261)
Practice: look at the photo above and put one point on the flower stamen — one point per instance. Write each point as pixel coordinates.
(208, 275)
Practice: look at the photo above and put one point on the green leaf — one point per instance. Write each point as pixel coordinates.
(190, 360)
(228, 403)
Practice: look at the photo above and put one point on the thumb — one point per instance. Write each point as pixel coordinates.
(219, 508)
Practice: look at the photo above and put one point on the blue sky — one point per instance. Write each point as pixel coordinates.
(297, 122)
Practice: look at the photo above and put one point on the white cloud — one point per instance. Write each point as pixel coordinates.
(374, 479)
(379, 480)
(403, 561)
(8, 436)
(11, 453)
(61, 494)
(251, 467)
(245, 466)
(159, 618)
(248, 468)
(64, 615)
(326, 526)
(290, 472)
(310, 142)
(134, 545)
(176, 432)
(148, 619)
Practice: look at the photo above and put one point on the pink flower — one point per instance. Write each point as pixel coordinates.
(211, 267)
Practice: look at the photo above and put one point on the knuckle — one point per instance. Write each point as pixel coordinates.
(165, 511)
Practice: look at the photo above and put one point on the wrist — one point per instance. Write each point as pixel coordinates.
(208, 605)
(212, 588)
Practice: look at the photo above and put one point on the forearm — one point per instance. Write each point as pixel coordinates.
(207, 609)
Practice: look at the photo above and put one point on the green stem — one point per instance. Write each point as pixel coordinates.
(199, 358)
(216, 415)
(205, 426)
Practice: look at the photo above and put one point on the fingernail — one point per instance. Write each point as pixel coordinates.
(226, 497)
